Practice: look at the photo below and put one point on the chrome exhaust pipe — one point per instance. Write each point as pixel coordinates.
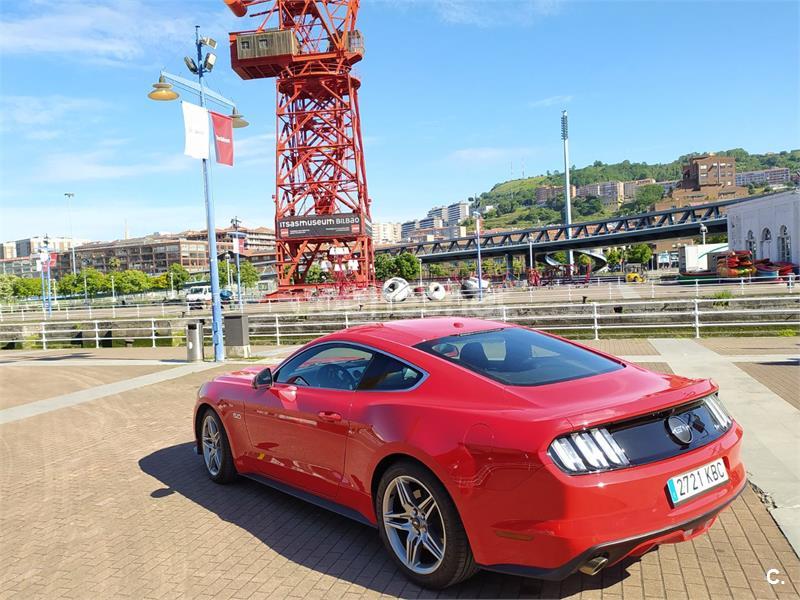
(593, 566)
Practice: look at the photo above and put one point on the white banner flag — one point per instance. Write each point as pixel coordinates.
(195, 123)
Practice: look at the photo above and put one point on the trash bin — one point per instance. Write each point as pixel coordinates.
(194, 341)
(237, 336)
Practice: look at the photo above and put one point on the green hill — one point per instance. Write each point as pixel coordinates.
(513, 201)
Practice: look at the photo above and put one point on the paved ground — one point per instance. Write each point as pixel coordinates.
(101, 496)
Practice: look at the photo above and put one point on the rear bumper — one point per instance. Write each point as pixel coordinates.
(617, 550)
(548, 523)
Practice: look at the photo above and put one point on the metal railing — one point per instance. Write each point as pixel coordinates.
(692, 316)
(609, 288)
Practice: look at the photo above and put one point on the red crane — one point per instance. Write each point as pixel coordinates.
(322, 210)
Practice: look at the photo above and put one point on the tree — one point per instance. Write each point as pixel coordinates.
(6, 287)
(159, 282)
(639, 253)
(407, 266)
(95, 281)
(114, 264)
(249, 274)
(437, 270)
(314, 275)
(131, 282)
(70, 284)
(613, 257)
(647, 196)
(25, 287)
(223, 267)
(179, 275)
(463, 270)
(385, 267)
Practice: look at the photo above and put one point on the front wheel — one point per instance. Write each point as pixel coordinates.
(420, 527)
(216, 449)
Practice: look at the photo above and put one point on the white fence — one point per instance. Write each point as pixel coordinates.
(596, 289)
(690, 316)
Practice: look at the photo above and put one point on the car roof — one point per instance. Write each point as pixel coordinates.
(411, 332)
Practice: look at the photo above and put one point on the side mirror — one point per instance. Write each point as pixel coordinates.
(263, 378)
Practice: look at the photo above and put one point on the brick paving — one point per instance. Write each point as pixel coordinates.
(658, 367)
(107, 500)
(54, 381)
(752, 345)
(783, 378)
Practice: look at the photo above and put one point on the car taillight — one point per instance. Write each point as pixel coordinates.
(722, 419)
(588, 451)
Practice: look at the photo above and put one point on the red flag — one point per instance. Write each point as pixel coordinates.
(223, 137)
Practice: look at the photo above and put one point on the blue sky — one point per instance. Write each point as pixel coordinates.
(454, 93)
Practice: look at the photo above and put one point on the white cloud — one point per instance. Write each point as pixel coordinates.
(95, 165)
(258, 149)
(551, 101)
(102, 32)
(43, 117)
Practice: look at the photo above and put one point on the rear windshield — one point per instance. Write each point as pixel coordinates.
(517, 356)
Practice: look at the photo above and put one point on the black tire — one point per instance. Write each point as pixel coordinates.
(457, 563)
(222, 471)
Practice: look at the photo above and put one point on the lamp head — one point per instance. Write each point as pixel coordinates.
(162, 91)
(190, 64)
(209, 61)
(210, 42)
(238, 121)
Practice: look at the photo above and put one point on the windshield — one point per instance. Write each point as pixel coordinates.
(196, 290)
(517, 356)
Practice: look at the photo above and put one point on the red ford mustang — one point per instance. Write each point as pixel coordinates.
(473, 444)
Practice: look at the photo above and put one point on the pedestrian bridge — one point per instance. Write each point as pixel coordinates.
(620, 230)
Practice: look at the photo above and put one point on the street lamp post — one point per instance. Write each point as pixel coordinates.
(69, 196)
(113, 292)
(235, 222)
(480, 268)
(46, 266)
(163, 91)
(703, 232)
(84, 264)
(171, 285)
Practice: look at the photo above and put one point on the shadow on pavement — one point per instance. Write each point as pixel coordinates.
(329, 543)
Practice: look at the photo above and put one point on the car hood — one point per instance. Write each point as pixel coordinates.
(242, 376)
(627, 392)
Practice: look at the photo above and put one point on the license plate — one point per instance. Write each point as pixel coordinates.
(690, 484)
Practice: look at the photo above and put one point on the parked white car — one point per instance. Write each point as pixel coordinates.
(198, 296)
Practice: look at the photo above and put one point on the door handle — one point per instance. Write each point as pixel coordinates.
(333, 417)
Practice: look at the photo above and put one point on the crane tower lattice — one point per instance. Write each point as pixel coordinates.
(322, 210)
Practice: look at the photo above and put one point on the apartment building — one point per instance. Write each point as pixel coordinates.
(457, 212)
(258, 240)
(29, 246)
(386, 233)
(629, 187)
(707, 178)
(407, 228)
(438, 212)
(612, 193)
(431, 234)
(152, 254)
(546, 193)
(772, 177)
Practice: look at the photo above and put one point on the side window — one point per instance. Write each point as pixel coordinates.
(331, 366)
(388, 374)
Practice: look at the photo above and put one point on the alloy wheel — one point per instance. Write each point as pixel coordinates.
(212, 445)
(414, 525)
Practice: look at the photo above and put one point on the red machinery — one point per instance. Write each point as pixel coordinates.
(321, 204)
